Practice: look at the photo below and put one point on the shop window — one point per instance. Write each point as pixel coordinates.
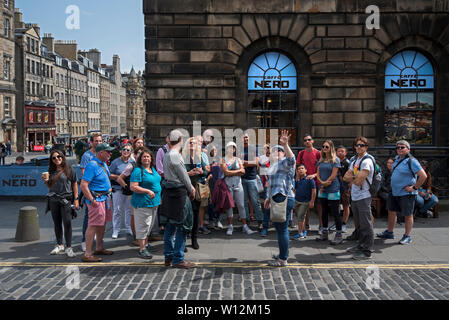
(409, 99)
(272, 94)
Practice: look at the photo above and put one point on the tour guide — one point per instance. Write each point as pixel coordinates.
(96, 188)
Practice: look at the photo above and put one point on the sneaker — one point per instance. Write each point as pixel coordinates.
(324, 236)
(353, 249)
(361, 255)
(70, 253)
(263, 233)
(83, 246)
(204, 230)
(260, 227)
(429, 214)
(304, 234)
(386, 235)
(297, 236)
(230, 230)
(278, 263)
(320, 230)
(114, 236)
(354, 236)
(307, 227)
(337, 239)
(247, 230)
(144, 254)
(344, 228)
(219, 225)
(57, 250)
(405, 240)
(333, 228)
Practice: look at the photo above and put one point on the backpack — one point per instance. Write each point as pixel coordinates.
(127, 191)
(374, 187)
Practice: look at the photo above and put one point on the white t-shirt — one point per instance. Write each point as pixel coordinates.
(359, 193)
(263, 160)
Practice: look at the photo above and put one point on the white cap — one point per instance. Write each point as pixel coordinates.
(230, 143)
(175, 135)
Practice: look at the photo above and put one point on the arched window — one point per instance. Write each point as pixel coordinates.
(409, 98)
(272, 93)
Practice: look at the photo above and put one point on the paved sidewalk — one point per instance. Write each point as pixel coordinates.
(228, 267)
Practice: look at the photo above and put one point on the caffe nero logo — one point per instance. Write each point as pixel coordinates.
(409, 81)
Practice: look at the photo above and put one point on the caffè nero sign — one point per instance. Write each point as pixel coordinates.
(272, 71)
(409, 70)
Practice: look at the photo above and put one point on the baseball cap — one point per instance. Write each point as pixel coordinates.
(277, 147)
(175, 135)
(230, 143)
(104, 147)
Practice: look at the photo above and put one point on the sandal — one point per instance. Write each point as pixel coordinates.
(91, 259)
(277, 263)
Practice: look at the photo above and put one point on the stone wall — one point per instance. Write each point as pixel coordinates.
(197, 60)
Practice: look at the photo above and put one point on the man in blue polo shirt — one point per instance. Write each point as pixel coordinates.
(95, 140)
(406, 179)
(96, 187)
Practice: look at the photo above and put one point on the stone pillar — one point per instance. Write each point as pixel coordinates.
(28, 225)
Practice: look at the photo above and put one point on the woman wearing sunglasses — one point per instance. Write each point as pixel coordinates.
(61, 181)
(121, 200)
(329, 191)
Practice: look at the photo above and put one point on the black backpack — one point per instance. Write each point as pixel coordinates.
(127, 191)
(374, 187)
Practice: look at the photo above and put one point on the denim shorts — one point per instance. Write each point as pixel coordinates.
(403, 206)
(329, 196)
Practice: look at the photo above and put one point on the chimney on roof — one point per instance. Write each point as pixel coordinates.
(49, 41)
(94, 55)
(18, 23)
(67, 48)
(36, 27)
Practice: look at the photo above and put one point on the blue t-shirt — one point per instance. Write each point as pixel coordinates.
(87, 157)
(303, 188)
(402, 177)
(147, 181)
(117, 167)
(97, 177)
(326, 172)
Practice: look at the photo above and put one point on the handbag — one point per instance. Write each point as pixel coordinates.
(202, 191)
(260, 187)
(278, 210)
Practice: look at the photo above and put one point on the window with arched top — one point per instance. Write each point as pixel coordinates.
(409, 98)
(272, 93)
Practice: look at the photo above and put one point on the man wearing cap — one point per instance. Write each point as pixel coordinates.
(281, 175)
(96, 188)
(406, 179)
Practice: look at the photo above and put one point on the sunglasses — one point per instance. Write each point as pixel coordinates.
(361, 145)
(326, 147)
(401, 148)
(124, 149)
(306, 140)
(57, 157)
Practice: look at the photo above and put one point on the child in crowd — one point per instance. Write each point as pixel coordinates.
(305, 194)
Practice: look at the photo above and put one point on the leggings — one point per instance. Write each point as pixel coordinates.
(331, 206)
(62, 216)
(196, 212)
(238, 195)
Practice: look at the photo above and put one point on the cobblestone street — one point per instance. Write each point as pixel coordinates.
(219, 283)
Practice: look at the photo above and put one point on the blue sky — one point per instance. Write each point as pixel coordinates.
(112, 26)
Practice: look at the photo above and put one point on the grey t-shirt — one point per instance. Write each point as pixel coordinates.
(359, 193)
(63, 186)
(175, 170)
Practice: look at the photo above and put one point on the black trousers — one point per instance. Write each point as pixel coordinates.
(62, 218)
(331, 206)
(196, 213)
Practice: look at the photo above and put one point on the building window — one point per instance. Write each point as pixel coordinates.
(272, 94)
(6, 3)
(409, 98)
(33, 67)
(28, 87)
(7, 108)
(6, 68)
(7, 26)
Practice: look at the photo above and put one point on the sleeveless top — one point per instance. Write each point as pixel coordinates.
(233, 181)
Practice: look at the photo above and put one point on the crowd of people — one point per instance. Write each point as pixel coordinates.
(170, 193)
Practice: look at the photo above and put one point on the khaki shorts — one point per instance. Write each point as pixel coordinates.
(300, 210)
(143, 221)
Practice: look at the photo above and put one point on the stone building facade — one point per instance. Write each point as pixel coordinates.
(105, 102)
(198, 61)
(118, 98)
(135, 111)
(8, 128)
